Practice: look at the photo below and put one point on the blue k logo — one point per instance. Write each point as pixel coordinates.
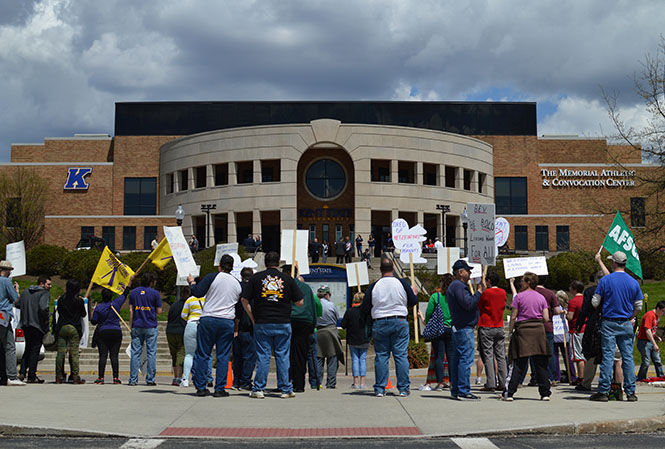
(75, 179)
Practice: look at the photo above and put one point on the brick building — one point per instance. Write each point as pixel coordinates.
(334, 168)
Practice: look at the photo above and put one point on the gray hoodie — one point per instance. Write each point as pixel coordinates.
(34, 306)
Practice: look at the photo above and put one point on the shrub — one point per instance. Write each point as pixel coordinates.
(567, 267)
(80, 265)
(653, 264)
(418, 354)
(45, 260)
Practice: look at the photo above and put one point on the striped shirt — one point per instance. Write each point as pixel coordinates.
(191, 311)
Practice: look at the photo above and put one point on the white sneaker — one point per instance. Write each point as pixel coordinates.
(15, 382)
(257, 395)
(288, 395)
(425, 387)
(479, 380)
(184, 383)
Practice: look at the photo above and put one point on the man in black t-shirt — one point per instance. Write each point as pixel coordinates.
(271, 293)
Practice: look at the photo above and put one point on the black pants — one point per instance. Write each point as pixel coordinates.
(518, 369)
(33, 343)
(108, 344)
(340, 259)
(3, 362)
(300, 344)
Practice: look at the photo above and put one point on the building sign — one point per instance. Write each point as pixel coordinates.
(587, 178)
(325, 213)
(76, 178)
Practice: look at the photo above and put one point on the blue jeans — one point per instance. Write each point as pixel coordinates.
(312, 371)
(211, 332)
(331, 373)
(190, 349)
(358, 361)
(616, 333)
(391, 335)
(442, 346)
(244, 359)
(461, 361)
(553, 362)
(141, 336)
(271, 338)
(648, 354)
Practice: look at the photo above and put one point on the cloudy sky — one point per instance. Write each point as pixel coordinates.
(63, 64)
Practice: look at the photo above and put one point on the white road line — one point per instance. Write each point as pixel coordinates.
(141, 443)
(474, 443)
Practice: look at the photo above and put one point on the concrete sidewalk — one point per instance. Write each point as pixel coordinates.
(164, 410)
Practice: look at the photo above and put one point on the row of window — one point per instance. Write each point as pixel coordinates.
(128, 236)
(542, 238)
(406, 174)
(270, 172)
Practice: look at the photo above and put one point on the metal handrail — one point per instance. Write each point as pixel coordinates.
(402, 272)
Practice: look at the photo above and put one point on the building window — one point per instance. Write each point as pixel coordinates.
(637, 213)
(338, 232)
(510, 196)
(542, 238)
(352, 236)
(312, 232)
(406, 172)
(149, 233)
(481, 182)
(108, 234)
(468, 176)
(140, 196)
(221, 174)
(270, 170)
(183, 177)
(521, 238)
(170, 183)
(200, 175)
(430, 174)
(87, 232)
(380, 170)
(325, 179)
(245, 172)
(451, 173)
(563, 238)
(129, 237)
(324, 233)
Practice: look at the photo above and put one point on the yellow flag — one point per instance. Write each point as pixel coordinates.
(111, 273)
(161, 255)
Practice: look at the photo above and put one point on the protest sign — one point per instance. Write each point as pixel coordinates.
(182, 255)
(517, 266)
(476, 269)
(239, 264)
(619, 238)
(408, 241)
(181, 278)
(558, 326)
(224, 248)
(15, 253)
(501, 231)
(445, 258)
(356, 274)
(294, 245)
(481, 237)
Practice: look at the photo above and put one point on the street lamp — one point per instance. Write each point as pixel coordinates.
(207, 208)
(465, 223)
(179, 215)
(443, 208)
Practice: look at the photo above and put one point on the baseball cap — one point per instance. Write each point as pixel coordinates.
(6, 265)
(618, 257)
(324, 289)
(461, 264)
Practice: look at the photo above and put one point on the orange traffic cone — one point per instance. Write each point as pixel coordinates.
(389, 385)
(229, 377)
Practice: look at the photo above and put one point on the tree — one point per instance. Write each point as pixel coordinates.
(23, 198)
(649, 85)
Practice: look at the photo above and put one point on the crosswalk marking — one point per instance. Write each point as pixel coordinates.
(474, 443)
(141, 443)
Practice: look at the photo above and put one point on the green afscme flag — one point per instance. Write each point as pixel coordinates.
(621, 239)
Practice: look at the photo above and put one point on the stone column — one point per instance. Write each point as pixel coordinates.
(256, 168)
(256, 221)
(419, 173)
(394, 171)
(233, 178)
(231, 227)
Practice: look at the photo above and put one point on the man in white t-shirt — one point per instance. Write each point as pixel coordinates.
(387, 301)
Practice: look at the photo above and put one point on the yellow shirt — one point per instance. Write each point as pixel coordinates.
(192, 309)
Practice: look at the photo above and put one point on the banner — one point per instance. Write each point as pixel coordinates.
(301, 243)
(445, 258)
(481, 236)
(161, 256)
(621, 239)
(182, 255)
(408, 241)
(224, 248)
(15, 253)
(517, 266)
(360, 268)
(501, 231)
(111, 273)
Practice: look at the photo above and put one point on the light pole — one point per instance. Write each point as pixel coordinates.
(179, 215)
(465, 222)
(207, 208)
(443, 208)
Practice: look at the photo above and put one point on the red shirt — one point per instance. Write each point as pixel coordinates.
(575, 305)
(552, 302)
(649, 321)
(491, 305)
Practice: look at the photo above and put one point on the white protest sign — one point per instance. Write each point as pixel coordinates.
(224, 248)
(408, 241)
(481, 233)
(445, 258)
(501, 231)
(476, 269)
(181, 278)
(182, 255)
(85, 327)
(363, 275)
(301, 243)
(517, 266)
(15, 253)
(557, 323)
(239, 264)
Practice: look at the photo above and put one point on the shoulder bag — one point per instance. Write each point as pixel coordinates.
(435, 327)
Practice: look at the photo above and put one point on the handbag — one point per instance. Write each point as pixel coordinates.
(435, 327)
(48, 340)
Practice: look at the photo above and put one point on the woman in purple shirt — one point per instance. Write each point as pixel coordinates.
(530, 311)
(109, 334)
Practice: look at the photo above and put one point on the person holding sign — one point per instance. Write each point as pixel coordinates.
(464, 317)
(530, 311)
(622, 301)
(109, 334)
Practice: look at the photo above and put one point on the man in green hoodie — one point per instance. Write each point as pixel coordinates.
(303, 325)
